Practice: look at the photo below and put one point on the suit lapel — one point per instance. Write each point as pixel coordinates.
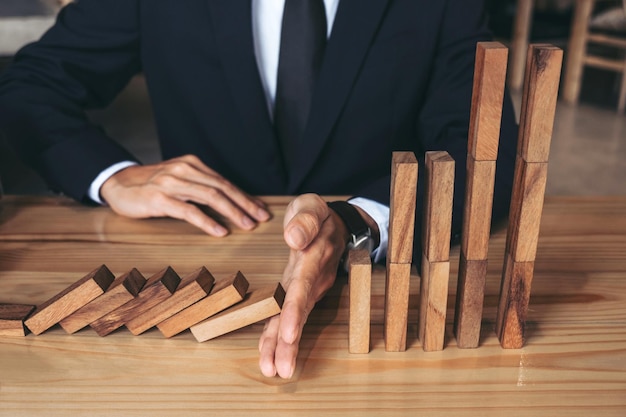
(355, 25)
(232, 21)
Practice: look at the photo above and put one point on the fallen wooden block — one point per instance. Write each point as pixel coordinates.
(396, 312)
(157, 288)
(192, 288)
(69, 300)
(433, 304)
(225, 293)
(256, 306)
(12, 318)
(360, 294)
(122, 290)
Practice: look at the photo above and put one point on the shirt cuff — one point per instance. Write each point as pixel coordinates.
(94, 188)
(380, 213)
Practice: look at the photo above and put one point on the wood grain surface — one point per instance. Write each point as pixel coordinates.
(573, 362)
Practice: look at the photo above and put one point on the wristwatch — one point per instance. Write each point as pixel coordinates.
(360, 233)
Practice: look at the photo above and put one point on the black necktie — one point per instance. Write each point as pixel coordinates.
(302, 43)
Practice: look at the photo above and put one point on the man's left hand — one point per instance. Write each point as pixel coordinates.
(317, 238)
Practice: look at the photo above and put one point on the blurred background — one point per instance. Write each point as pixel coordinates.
(588, 153)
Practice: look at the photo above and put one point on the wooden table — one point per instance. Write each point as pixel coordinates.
(574, 362)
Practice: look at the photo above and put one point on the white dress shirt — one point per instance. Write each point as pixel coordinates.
(267, 18)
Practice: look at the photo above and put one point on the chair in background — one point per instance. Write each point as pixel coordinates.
(579, 55)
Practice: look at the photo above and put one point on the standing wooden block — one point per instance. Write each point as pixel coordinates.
(433, 304)
(396, 306)
(529, 187)
(402, 207)
(225, 293)
(437, 216)
(360, 294)
(514, 300)
(470, 295)
(70, 299)
(477, 210)
(487, 97)
(158, 287)
(541, 86)
(474, 250)
(258, 305)
(192, 288)
(12, 318)
(122, 290)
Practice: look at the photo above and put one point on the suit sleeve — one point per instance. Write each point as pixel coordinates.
(81, 63)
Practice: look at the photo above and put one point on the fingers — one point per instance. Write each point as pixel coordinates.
(267, 346)
(303, 220)
(194, 181)
(170, 188)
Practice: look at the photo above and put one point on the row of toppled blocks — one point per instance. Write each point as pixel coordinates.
(198, 302)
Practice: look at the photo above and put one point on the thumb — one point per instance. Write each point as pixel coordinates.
(303, 220)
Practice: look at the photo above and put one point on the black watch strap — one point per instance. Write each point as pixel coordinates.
(350, 216)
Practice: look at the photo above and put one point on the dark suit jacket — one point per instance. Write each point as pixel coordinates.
(397, 75)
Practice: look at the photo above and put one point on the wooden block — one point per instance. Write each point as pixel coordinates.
(225, 293)
(157, 288)
(529, 187)
(470, 295)
(513, 304)
(360, 294)
(437, 216)
(541, 87)
(192, 288)
(122, 290)
(433, 304)
(478, 208)
(487, 96)
(402, 207)
(396, 306)
(70, 299)
(12, 318)
(257, 305)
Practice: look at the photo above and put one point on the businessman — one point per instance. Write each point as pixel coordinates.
(257, 97)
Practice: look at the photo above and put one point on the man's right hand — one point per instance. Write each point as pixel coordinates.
(171, 188)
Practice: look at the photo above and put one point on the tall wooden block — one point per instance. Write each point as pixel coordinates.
(402, 207)
(396, 306)
(487, 96)
(192, 288)
(529, 187)
(12, 318)
(258, 305)
(437, 216)
(541, 86)
(474, 251)
(470, 295)
(157, 288)
(433, 304)
(478, 207)
(70, 299)
(360, 294)
(122, 290)
(225, 293)
(513, 304)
